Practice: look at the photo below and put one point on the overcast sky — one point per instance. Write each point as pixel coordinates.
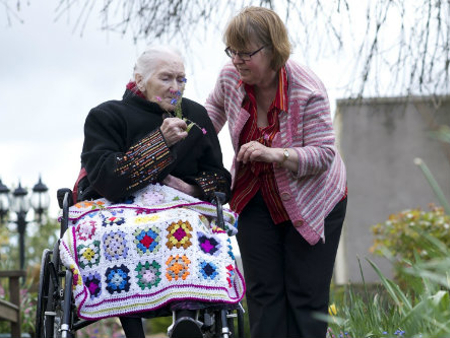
(51, 77)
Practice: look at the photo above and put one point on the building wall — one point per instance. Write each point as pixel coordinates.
(379, 140)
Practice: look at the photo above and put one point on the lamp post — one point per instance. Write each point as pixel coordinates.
(4, 201)
(19, 203)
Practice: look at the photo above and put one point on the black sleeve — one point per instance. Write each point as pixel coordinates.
(114, 169)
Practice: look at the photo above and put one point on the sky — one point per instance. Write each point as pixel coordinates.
(51, 77)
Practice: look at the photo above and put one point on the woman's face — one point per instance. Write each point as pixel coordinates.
(257, 70)
(166, 85)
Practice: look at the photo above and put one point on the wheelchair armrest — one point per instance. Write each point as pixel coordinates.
(219, 200)
(220, 197)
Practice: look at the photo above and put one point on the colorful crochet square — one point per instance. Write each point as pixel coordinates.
(139, 220)
(179, 235)
(217, 230)
(77, 280)
(90, 205)
(230, 275)
(88, 255)
(117, 279)
(94, 284)
(230, 250)
(115, 245)
(148, 274)
(177, 267)
(113, 220)
(152, 197)
(208, 245)
(85, 230)
(208, 270)
(147, 240)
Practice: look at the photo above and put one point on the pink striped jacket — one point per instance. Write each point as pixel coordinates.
(310, 194)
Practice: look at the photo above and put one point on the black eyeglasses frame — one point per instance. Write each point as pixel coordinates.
(243, 56)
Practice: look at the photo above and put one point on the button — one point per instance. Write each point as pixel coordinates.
(299, 223)
(285, 196)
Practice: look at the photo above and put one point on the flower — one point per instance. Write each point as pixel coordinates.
(332, 310)
(177, 112)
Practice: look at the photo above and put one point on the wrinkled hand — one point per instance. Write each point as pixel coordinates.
(179, 184)
(254, 151)
(173, 130)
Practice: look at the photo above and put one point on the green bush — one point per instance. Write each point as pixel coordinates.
(400, 238)
(385, 310)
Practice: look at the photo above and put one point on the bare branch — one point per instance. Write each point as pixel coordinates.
(404, 49)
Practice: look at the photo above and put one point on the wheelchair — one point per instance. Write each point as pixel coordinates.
(56, 315)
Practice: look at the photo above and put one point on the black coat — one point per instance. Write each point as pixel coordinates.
(124, 150)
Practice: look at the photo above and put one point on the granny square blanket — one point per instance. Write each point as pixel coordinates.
(159, 247)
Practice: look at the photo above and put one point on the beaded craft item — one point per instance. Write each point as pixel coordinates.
(160, 247)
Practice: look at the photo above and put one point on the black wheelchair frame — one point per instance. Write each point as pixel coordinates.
(56, 315)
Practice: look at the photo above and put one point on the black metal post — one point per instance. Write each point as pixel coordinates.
(21, 228)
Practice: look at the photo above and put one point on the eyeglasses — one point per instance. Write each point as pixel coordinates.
(243, 56)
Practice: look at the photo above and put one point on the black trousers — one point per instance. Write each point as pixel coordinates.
(288, 280)
(132, 327)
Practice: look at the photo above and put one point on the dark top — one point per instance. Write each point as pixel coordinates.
(124, 150)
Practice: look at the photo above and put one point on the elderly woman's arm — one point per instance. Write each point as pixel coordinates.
(115, 170)
(210, 175)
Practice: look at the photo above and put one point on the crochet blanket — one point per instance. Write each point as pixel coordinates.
(159, 247)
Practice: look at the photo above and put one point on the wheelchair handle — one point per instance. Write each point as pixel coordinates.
(65, 200)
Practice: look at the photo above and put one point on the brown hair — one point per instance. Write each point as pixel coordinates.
(264, 26)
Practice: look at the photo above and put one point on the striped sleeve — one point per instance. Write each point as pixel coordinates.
(318, 150)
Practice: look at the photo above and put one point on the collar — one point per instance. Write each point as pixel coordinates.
(132, 86)
(282, 89)
(280, 101)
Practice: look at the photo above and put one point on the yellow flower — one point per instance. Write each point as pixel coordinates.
(332, 310)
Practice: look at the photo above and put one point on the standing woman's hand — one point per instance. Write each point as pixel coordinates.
(173, 130)
(254, 151)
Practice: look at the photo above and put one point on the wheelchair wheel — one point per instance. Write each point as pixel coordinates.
(44, 280)
(222, 325)
(56, 307)
(53, 323)
(240, 322)
(234, 320)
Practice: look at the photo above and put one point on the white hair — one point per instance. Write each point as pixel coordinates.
(147, 63)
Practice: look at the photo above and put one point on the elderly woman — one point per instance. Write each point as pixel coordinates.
(289, 181)
(144, 236)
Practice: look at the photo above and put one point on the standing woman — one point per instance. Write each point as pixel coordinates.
(289, 181)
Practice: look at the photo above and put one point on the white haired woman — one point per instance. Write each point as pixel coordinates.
(144, 238)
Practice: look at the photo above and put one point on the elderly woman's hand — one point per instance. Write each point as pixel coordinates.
(173, 130)
(179, 184)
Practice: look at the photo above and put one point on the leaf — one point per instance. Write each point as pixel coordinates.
(393, 289)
